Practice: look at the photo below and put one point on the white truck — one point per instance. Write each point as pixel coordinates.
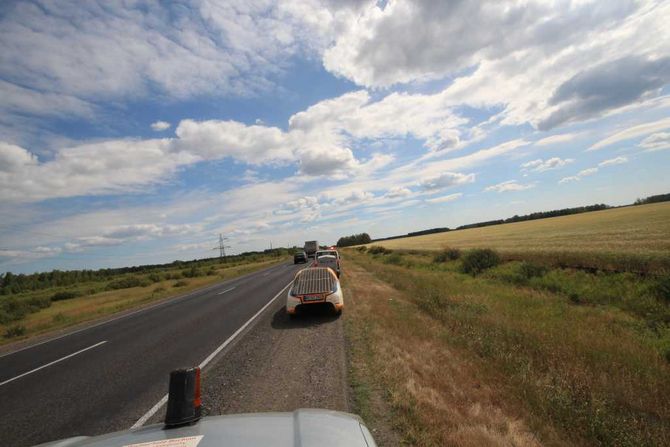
(311, 248)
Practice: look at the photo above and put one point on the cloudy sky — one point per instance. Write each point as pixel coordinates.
(133, 132)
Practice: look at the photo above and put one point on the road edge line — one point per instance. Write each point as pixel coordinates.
(141, 421)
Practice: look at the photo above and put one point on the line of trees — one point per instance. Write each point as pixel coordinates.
(354, 239)
(653, 199)
(538, 215)
(11, 283)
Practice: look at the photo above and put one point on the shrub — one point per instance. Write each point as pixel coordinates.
(64, 295)
(193, 272)
(478, 260)
(13, 309)
(662, 289)
(154, 277)
(37, 303)
(448, 254)
(15, 331)
(378, 250)
(127, 283)
(59, 318)
(211, 272)
(180, 283)
(394, 259)
(159, 290)
(362, 248)
(529, 270)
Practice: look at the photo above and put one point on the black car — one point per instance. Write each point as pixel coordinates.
(300, 258)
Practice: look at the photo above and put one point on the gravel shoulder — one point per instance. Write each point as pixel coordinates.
(281, 364)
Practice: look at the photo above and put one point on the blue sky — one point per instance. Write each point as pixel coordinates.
(136, 133)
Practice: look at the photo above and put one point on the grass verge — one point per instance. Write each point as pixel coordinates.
(485, 359)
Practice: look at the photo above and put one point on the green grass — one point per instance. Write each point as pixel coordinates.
(28, 314)
(632, 239)
(587, 354)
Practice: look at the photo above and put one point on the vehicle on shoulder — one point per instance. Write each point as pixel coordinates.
(329, 261)
(312, 287)
(300, 257)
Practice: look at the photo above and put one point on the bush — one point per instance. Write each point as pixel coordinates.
(154, 277)
(15, 331)
(394, 259)
(64, 295)
(127, 283)
(362, 248)
(529, 270)
(448, 254)
(180, 283)
(13, 309)
(378, 250)
(37, 303)
(662, 289)
(478, 260)
(192, 273)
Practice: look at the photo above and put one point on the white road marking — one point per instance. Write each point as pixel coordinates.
(143, 309)
(52, 363)
(141, 421)
(227, 290)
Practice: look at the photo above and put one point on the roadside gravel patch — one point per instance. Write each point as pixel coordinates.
(281, 364)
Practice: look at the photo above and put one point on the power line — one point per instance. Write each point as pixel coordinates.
(222, 247)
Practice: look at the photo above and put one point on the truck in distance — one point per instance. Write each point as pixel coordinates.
(311, 247)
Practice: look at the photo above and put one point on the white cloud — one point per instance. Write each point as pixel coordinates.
(656, 141)
(447, 180)
(555, 139)
(510, 185)
(572, 178)
(585, 172)
(632, 132)
(447, 198)
(540, 165)
(160, 125)
(613, 161)
(398, 191)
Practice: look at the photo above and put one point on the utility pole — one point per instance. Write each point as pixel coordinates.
(222, 247)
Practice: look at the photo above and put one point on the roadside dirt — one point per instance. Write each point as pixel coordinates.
(281, 365)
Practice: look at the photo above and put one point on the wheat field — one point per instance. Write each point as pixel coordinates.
(634, 238)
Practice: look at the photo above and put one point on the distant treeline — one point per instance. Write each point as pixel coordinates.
(653, 199)
(538, 215)
(11, 283)
(532, 216)
(354, 239)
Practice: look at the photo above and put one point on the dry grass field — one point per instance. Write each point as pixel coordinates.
(634, 238)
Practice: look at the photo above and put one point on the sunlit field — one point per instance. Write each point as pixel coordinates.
(634, 238)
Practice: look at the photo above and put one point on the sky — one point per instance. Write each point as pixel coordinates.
(135, 132)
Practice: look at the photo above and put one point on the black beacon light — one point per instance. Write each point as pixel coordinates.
(184, 403)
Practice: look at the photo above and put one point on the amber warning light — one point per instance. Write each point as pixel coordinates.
(184, 403)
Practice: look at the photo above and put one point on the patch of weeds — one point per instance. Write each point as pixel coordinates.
(476, 261)
(127, 283)
(154, 277)
(362, 248)
(60, 317)
(15, 331)
(379, 250)
(394, 259)
(448, 254)
(180, 283)
(158, 290)
(65, 295)
(662, 289)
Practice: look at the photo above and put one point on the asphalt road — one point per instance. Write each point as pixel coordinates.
(106, 377)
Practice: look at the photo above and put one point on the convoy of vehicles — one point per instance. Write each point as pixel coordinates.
(311, 247)
(315, 286)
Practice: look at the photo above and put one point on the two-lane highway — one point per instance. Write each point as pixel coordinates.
(108, 376)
